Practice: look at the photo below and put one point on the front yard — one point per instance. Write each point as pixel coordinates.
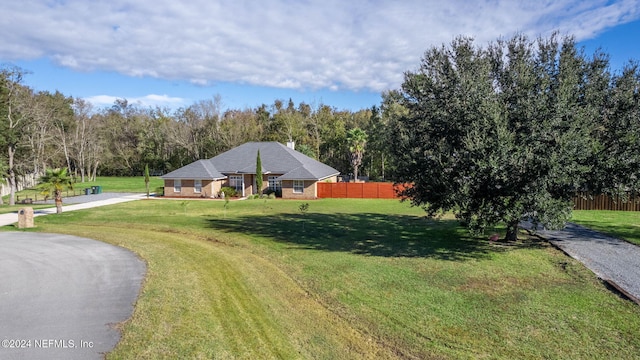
(348, 279)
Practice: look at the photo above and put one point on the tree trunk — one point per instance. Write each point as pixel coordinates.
(63, 137)
(12, 176)
(512, 230)
(93, 176)
(58, 202)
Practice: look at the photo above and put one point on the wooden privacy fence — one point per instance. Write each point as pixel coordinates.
(376, 190)
(364, 190)
(584, 201)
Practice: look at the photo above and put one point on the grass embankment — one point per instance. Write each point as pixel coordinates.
(348, 279)
(622, 224)
(108, 183)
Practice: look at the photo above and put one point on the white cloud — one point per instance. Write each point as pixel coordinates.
(152, 100)
(315, 44)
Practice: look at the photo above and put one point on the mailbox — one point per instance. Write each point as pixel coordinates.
(25, 218)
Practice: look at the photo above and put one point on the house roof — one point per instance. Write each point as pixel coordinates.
(276, 158)
(201, 169)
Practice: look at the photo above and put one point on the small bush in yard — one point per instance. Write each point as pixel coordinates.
(228, 192)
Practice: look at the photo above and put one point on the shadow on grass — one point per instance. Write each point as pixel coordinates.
(363, 233)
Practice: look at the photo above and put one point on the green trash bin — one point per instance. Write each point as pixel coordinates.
(98, 189)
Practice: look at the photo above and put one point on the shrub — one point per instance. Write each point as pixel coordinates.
(228, 192)
(275, 193)
(159, 191)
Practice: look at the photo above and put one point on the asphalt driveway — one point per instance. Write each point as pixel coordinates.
(61, 296)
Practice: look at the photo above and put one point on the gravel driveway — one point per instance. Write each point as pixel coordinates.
(613, 260)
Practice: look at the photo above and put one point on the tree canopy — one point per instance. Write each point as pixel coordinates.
(508, 132)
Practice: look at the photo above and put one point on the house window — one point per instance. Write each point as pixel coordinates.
(298, 186)
(274, 183)
(237, 182)
(197, 186)
(177, 186)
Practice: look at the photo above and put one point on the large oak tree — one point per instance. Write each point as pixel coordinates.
(498, 134)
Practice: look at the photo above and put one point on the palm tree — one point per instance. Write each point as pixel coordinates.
(357, 139)
(54, 182)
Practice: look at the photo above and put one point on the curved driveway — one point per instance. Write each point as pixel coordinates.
(61, 296)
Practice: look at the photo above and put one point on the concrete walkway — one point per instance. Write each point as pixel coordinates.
(615, 261)
(79, 203)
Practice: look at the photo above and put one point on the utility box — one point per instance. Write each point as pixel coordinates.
(25, 218)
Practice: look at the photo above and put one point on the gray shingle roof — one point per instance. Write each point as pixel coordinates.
(201, 169)
(276, 159)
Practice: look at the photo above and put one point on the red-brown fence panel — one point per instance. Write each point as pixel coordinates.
(339, 190)
(368, 190)
(324, 190)
(371, 190)
(354, 190)
(387, 192)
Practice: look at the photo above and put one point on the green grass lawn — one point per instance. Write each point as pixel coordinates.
(123, 184)
(348, 279)
(622, 224)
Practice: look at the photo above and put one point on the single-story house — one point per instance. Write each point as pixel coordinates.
(284, 170)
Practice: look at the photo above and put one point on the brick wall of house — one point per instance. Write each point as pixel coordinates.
(309, 191)
(168, 188)
(215, 188)
(209, 188)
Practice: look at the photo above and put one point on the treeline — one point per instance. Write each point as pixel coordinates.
(41, 130)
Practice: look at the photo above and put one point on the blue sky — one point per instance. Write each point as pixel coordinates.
(335, 52)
